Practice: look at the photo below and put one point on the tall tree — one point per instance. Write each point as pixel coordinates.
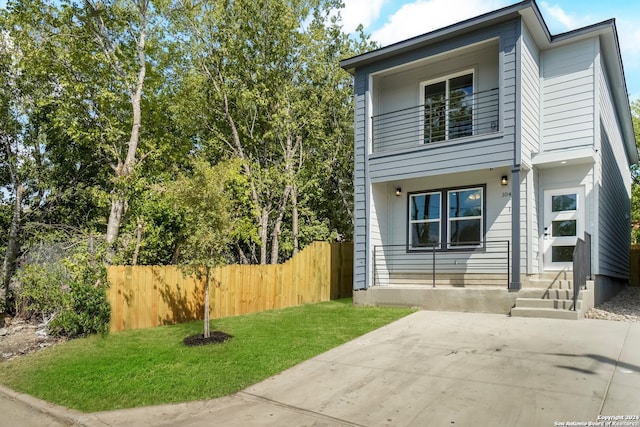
(265, 76)
(111, 35)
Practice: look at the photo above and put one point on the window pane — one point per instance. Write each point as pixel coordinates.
(564, 202)
(434, 112)
(425, 206)
(563, 228)
(425, 234)
(460, 106)
(465, 232)
(465, 203)
(562, 253)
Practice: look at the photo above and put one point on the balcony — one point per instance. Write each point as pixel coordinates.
(438, 120)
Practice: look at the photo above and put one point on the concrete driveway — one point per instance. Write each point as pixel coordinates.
(434, 369)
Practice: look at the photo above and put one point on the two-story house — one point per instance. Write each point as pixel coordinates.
(484, 152)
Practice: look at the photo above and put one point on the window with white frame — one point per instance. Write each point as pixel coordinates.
(454, 216)
(448, 107)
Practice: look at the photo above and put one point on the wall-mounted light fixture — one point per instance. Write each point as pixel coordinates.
(504, 180)
(398, 191)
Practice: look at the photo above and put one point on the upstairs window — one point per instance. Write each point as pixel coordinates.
(448, 108)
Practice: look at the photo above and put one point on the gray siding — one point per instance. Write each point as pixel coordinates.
(568, 96)
(472, 153)
(530, 87)
(360, 185)
(614, 204)
(445, 158)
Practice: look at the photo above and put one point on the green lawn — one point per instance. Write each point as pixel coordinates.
(153, 366)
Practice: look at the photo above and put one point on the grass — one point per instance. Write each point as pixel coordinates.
(153, 366)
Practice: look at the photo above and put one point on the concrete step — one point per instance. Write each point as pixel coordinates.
(549, 313)
(550, 284)
(561, 304)
(558, 294)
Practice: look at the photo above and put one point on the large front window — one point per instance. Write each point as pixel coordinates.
(454, 216)
(448, 108)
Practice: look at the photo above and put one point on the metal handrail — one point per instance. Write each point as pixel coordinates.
(581, 266)
(462, 116)
(487, 257)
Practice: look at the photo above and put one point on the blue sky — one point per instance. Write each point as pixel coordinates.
(390, 21)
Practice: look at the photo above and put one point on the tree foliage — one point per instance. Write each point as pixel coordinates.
(202, 200)
(635, 174)
(106, 104)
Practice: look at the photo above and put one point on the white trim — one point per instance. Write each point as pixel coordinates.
(549, 241)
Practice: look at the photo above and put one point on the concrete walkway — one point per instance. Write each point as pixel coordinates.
(428, 369)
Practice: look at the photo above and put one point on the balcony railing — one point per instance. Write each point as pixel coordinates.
(448, 119)
(487, 264)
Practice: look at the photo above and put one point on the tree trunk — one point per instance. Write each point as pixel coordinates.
(241, 254)
(277, 226)
(136, 251)
(294, 218)
(264, 234)
(13, 245)
(207, 332)
(124, 169)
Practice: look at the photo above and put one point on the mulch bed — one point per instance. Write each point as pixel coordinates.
(216, 337)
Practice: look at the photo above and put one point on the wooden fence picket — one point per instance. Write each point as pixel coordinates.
(148, 296)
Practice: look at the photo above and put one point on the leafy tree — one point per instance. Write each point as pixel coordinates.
(635, 172)
(201, 198)
(265, 88)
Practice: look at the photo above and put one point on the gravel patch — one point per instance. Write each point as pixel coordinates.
(624, 307)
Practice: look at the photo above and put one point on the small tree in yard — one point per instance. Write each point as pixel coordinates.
(201, 199)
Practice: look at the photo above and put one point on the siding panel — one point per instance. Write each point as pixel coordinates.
(568, 97)
(614, 205)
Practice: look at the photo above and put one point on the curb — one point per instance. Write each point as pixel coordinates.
(61, 414)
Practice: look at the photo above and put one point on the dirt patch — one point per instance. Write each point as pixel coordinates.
(18, 337)
(216, 337)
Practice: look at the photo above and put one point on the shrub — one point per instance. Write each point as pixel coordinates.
(86, 312)
(41, 291)
(68, 293)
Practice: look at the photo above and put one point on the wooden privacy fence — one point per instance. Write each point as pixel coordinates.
(147, 296)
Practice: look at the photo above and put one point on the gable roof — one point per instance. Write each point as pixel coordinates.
(529, 12)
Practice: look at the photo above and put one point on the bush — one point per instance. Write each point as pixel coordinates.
(86, 312)
(70, 292)
(41, 291)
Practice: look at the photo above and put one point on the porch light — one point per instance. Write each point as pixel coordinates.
(398, 191)
(504, 180)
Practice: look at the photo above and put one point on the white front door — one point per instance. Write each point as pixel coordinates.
(563, 224)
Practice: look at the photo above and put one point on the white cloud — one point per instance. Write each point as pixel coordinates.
(558, 20)
(423, 16)
(356, 12)
(629, 37)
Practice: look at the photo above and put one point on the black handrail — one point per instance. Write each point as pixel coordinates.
(486, 257)
(458, 117)
(581, 266)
